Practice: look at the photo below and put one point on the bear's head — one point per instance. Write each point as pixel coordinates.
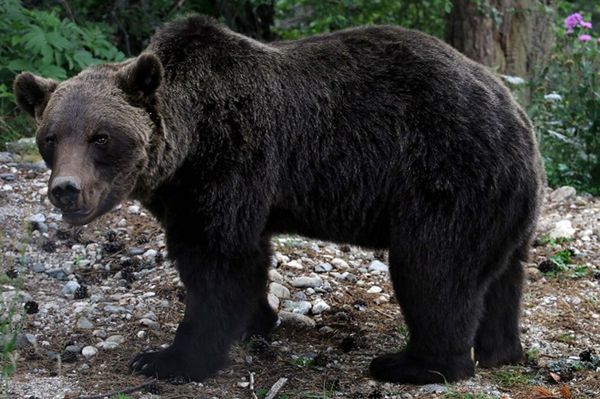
(94, 131)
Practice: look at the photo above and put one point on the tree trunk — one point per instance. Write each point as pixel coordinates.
(509, 36)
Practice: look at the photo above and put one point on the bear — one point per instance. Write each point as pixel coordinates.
(375, 136)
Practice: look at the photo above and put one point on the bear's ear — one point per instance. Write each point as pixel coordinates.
(32, 92)
(141, 77)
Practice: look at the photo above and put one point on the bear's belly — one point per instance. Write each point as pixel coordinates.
(365, 228)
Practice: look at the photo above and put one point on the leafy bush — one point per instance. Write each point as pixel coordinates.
(40, 42)
(565, 107)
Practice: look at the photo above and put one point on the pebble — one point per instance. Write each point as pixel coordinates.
(340, 264)
(133, 209)
(70, 288)
(133, 251)
(323, 268)
(111, 342)
(296, 319)
(6, 157)
(273, 302)
(300, 307)
(307, 282)
(8, 176)
(435, 388)
(115, 309)
(154, 325)
(562, 229)
(89, 351)
(275, 276)
(294, 264)
(378, 266)
(319, 306)
(280, 291)
(562, 194)
(84, 324)
(374, 290)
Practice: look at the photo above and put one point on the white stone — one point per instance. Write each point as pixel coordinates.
(273, 302)
(294, 264)
(296, 319)
(84, 324)
(89, 351)
(150, 254)
(340, 264)
(319, 306)
(274, 275)
(133, 209)
(300, 307)
(378, 266)
(323, 267)
(562, 229)
(280, 291)
(307, 282)
(70, 287)
(374, 290)
(562, 194)
(150, 324)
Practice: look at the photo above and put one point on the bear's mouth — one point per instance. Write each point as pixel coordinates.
(79, 217)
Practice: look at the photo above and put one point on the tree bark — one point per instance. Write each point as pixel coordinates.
(509, 36)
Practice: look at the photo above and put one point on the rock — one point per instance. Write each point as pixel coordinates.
(150, 315)
(115, 309)
(562, 194)
(58, 274)
(8, 176)
(300, 307)
(38, 267)
(294, 264)
(435, 388)
(150, 254)
(323, 267)
(84, 324)
(6, 157)
(533, 273)
(280, 291)
(562, 229)
(274, 275)
(374, 290)
(150, 324)
(378, 267)
(133, 209)
(297, 320)
(100, 333)
(340, 264)
(133, 251)
(70, 288)
(89, 351)
(37, 222)
(307, 282)
(111, 342)
(319, 306)
(24, 340)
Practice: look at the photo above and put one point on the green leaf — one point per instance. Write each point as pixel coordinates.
(19, 65)
(83, 58)
(58, 41)
(53, 72)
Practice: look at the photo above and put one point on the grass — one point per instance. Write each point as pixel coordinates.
(508, 377)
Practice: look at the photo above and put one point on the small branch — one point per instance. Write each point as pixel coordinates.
(122, 391)
(276, 388)
(68, 10)
(251, 378)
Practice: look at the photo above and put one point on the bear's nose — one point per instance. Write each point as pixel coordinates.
(65, 190)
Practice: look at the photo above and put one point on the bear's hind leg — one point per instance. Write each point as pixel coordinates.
(497, 341)
(442, 306)
(262, 322)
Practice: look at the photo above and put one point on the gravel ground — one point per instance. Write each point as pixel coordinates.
(94, 296)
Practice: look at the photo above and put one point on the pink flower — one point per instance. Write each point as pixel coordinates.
(586, 25)
(585, 38)
(573, 21)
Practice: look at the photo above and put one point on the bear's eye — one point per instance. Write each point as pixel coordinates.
(100, 139)
(50, 140)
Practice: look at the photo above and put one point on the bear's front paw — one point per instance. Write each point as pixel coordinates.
(404, 368)
(172, 363)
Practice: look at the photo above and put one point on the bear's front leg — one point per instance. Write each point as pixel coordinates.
(223, 293)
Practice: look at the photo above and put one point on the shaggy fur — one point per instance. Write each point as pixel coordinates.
(375, 136)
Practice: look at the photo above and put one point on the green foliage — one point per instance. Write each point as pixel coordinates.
(43, 43)
(298, 18)
(510, 376)
(565, 109)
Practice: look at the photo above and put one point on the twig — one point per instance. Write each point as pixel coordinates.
(251, 378)
(68, 10)
(148, 382)
(276, 388)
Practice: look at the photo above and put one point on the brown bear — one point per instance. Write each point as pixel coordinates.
(376, 136)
